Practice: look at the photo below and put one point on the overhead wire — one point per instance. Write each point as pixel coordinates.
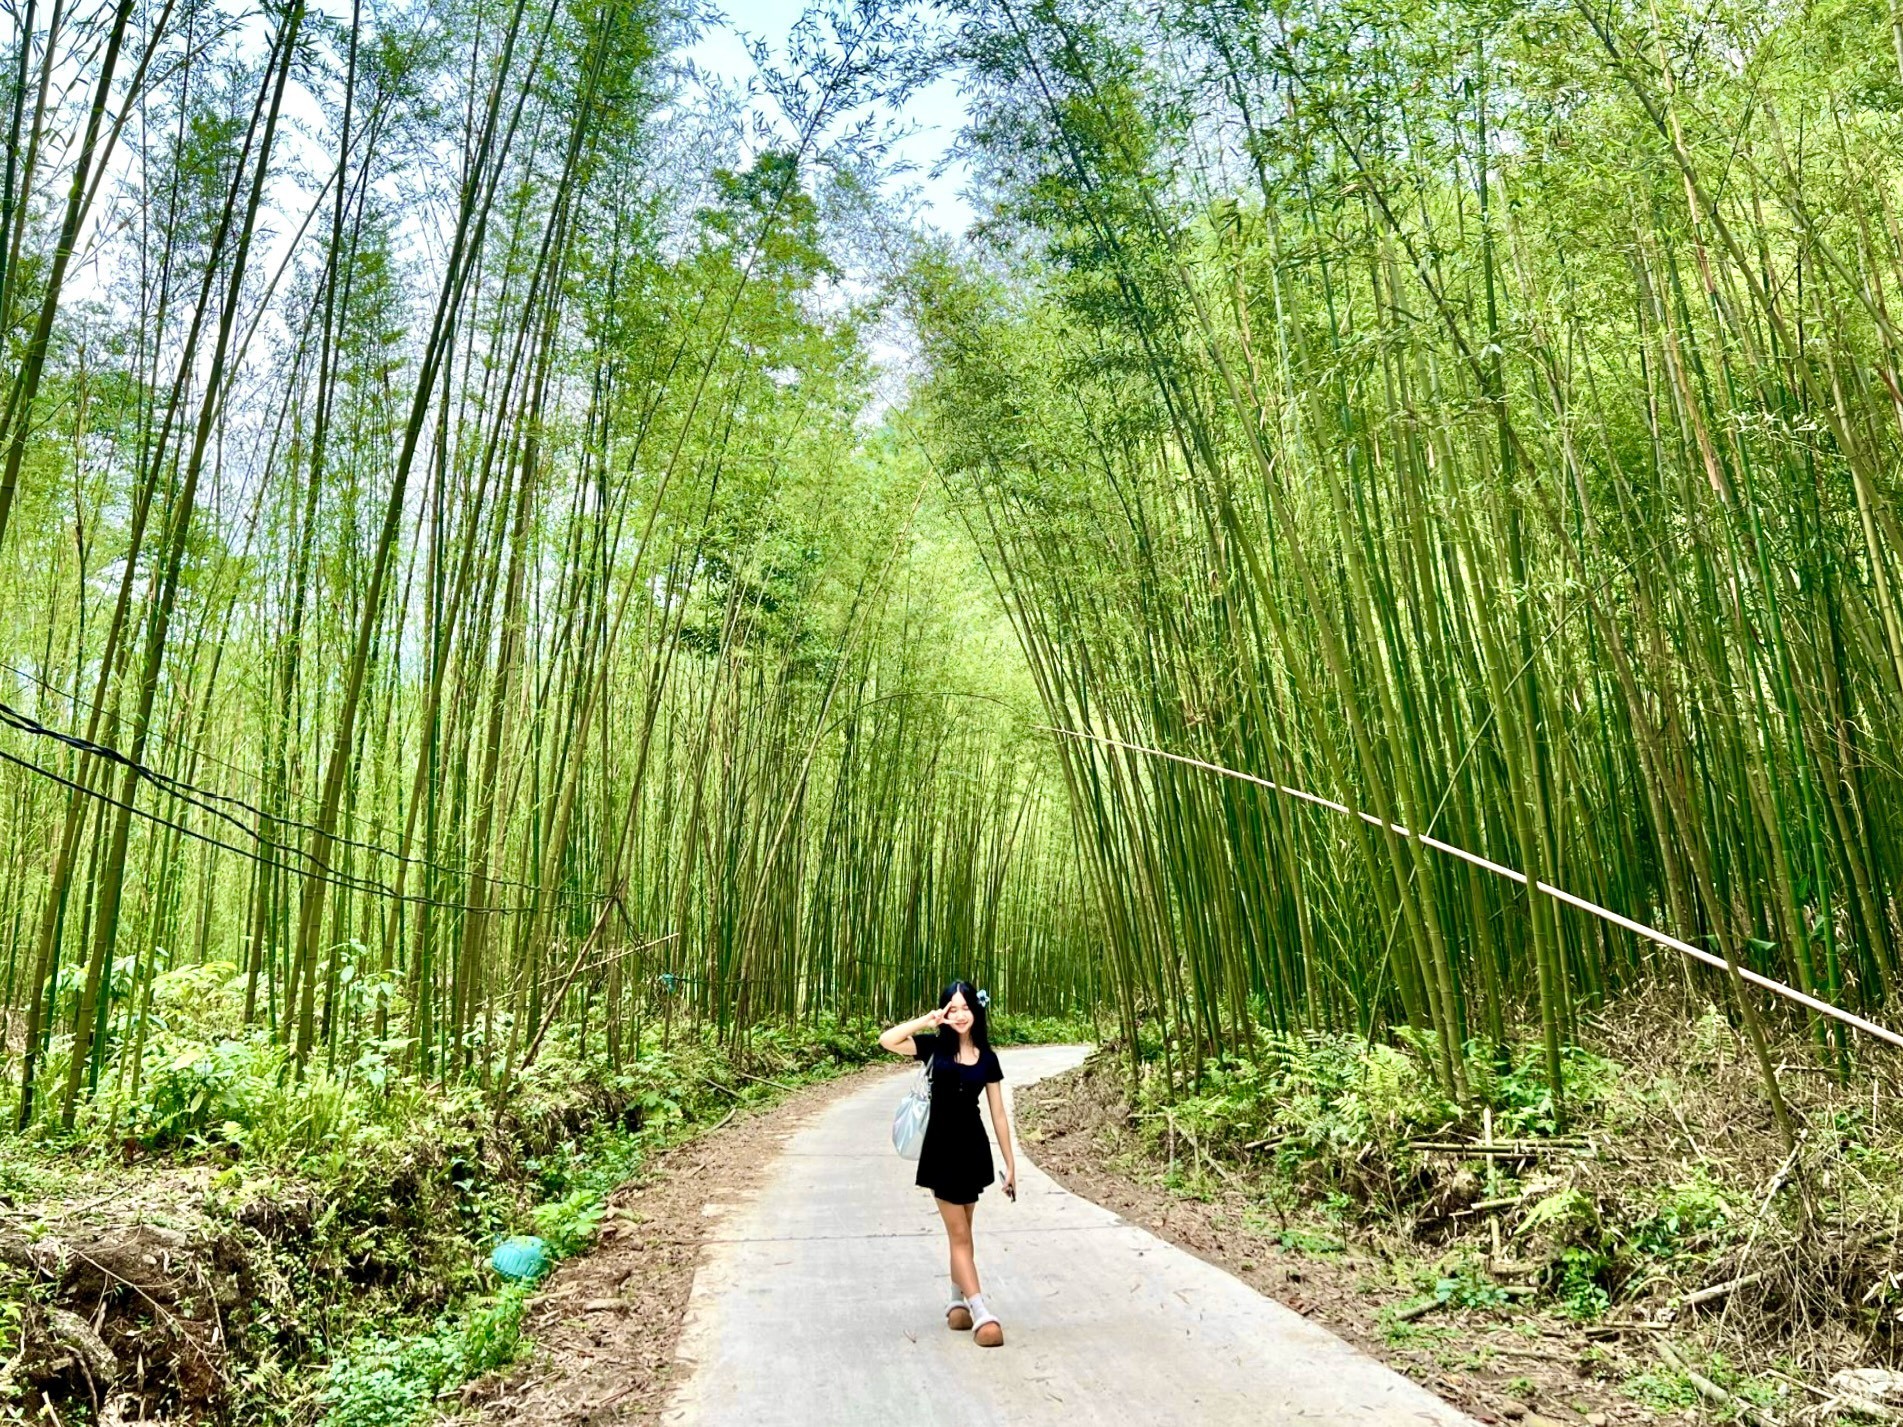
(204, 798)
(76, 701)
(330, 877)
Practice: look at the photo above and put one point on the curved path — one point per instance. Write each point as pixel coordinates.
(821, 1302)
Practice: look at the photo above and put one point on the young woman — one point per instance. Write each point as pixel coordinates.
(955, 1161)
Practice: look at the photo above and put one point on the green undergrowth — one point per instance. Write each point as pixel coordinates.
(395, 1380)
(1659, 1174)
(1336, 1119)
(393, 1373)
(1042, 1030)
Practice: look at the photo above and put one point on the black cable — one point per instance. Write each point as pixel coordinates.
(72, 698)
(334, 879)
(197, 796)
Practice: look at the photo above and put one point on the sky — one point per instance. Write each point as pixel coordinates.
(936, 112)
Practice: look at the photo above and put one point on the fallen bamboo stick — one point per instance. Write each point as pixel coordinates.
(1749, 1411)
(1502, 1149)
(1718, 1290)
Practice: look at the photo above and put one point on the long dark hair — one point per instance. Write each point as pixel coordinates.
(980, 1031)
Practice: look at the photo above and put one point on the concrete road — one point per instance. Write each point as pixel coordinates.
(821, 1304)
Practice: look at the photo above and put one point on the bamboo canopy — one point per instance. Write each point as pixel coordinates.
(453, 605)
(467, 587)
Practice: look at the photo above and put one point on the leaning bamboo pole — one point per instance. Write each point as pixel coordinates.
(1510, 874)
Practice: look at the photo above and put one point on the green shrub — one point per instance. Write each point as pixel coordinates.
(1662, 1389)
(394, 1382)
(1326, 1093)
(1470, 1287)
(1511, 1079)
(1691, 1217)
(568, 1224)
(1581, 1292)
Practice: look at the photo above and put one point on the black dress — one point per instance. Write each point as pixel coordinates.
(955, 1160)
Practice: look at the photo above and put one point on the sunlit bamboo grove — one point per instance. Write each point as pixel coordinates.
(1484, 416)
(463, 593)
(454, 598)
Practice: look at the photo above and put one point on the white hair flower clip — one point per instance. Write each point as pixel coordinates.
(984, 998)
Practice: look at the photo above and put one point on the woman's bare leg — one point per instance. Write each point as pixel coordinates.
(988, 1332)
(964, 1269)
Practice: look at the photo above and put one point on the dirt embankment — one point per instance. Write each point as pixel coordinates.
(139, 1301)
(135, 1286)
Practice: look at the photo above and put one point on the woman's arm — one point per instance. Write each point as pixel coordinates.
(1001, 1126)
(898, 1039)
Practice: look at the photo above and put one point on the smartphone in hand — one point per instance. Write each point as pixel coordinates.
(1010, 1189)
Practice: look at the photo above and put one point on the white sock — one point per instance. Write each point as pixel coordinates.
(977, 1305)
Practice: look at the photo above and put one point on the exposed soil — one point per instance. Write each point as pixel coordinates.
(152, 1333)
(605, 1328)
(133, 1297)
(153, 1288)
(1540, 1369)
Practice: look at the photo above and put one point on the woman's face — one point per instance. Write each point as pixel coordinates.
(958, 1014)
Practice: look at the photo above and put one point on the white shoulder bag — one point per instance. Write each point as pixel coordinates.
(908, 1123)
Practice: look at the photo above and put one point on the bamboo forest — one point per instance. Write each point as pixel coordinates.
(548, 593)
